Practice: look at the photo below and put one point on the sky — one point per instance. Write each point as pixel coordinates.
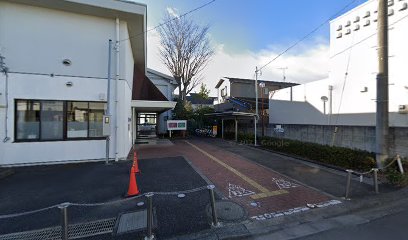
(247, 34)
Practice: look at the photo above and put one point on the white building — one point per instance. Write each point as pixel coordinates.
(348, 96)
(166, 84)
(55, 92)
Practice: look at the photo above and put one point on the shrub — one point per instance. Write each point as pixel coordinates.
(393, 174)
(337, 156)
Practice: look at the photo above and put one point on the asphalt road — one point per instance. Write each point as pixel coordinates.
(389, 227)
(37, 187)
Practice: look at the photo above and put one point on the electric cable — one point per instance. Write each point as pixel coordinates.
(170, 20)
(309, 34)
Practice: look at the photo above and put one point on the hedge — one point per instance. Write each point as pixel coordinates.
(338, 156)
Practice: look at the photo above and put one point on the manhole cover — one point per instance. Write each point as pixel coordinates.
(228, 211)
(133, 222)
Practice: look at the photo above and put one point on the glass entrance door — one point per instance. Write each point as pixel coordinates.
(146, 125)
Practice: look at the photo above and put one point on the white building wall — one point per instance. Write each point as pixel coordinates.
(353, 68)
(167, 89)
(227, 84)
(35, 41)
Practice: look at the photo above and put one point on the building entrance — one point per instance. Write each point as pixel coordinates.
(146, 125)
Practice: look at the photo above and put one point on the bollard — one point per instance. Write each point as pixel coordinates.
(212, 201)
(400, 164)
(375, 178)
(149, 216)
(64, 220)
(348, 184)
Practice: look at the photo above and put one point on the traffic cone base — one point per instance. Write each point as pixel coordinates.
(133, 190)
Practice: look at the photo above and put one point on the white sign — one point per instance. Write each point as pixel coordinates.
(176, 125)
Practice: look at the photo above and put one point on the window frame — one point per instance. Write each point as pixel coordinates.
(65, 137)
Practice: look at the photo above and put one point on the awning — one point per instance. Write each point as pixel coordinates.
(235, 116)
(152, 106)
(231, 115)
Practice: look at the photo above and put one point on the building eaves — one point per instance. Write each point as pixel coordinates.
(219, 83)
(170, 79)
(244, 80)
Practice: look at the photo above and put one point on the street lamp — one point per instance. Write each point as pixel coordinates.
(324, 100)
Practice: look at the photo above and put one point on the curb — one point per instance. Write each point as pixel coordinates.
(308, 223)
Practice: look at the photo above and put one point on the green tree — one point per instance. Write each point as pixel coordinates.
(204, 91)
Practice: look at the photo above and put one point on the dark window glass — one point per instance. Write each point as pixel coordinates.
(96, 111)
(52, 120)
(28, 120)
(46, 120)
(77, 119)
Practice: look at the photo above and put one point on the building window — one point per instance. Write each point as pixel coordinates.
(224, 92)
(58, 120)
(77, 119)
(27, 120)
(367, 14)
(52, 116)
(96, 111)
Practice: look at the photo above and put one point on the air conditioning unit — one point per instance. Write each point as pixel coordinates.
(403, 108)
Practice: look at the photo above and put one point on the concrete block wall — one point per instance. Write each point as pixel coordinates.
(355, 137)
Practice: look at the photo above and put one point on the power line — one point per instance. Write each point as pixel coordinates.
(309, 34)
(170, 20)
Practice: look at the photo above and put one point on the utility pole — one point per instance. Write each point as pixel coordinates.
(262, 86)
(256, 102)
(283, 72)
(108, 112)
(381, 130)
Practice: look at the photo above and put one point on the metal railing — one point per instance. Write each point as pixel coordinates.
(65, 229)
(374, 172)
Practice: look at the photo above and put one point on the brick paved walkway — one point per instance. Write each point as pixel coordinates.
(260, 190)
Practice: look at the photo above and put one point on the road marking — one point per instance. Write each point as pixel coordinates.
(264, 191)
(268, 194)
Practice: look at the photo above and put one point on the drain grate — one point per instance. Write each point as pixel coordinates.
(133, 221)
(75, 231)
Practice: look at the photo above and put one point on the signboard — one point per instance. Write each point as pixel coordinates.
(176, 125)
(214, 130)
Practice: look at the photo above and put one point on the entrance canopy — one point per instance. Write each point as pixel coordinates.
(234, 116)
(152, 106)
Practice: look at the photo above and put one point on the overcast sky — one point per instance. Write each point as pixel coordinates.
(246, 34)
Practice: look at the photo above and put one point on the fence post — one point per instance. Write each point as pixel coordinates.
(400, 164)
(212, 201)
(64, 220)
(375, 178)
(348, 184)
(149, 216)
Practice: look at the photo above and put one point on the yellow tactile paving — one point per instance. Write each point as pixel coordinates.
(264, 191)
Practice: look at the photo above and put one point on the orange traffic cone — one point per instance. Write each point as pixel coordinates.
(133, 190)
(135, 166)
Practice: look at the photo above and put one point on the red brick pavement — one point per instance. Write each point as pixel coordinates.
(226, 179)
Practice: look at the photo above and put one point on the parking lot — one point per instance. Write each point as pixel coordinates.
(251, 185)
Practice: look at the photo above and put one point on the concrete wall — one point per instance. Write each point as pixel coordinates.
(287, 112)
(355, 137)
(353, 69)
(34, 42)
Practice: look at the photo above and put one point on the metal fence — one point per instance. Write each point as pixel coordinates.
(64, 229)
(373, 173)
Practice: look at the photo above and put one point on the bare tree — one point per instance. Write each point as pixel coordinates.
(185, 50)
